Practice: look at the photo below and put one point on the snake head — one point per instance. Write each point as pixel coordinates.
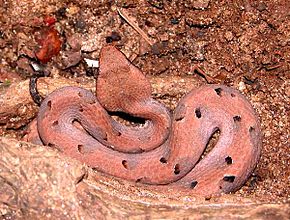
(120, 85)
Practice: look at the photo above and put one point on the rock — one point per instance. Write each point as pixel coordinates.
(49, 44)
(40, 178)
(70, 58)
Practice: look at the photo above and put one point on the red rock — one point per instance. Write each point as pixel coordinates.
(49, 20)
(50, 44)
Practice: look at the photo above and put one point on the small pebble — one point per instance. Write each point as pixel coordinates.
(242, 86)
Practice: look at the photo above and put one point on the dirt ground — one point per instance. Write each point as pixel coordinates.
(244, 44)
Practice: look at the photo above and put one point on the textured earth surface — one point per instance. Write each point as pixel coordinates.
(243, 44)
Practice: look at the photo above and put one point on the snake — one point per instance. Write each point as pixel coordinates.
(167, 149)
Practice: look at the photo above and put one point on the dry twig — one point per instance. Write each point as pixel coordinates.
(130, 21)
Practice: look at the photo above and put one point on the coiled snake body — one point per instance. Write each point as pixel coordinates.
(166, 150)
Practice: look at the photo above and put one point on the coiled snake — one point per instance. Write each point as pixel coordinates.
(166, 150)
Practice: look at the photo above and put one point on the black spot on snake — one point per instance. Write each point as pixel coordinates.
(51, 145)
(198, 113)
(237, 118)
(138, 180)
(229, 160)
(163, 160)
(176, 169)
(251, 129)
(208, 198)
(55, 123)
(193, 184)
(218, 91)
(229, 179)
(81, 148)
(125, 164)
(80, 94)
(49, 105)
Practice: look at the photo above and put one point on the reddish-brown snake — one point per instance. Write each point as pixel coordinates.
(166, 150)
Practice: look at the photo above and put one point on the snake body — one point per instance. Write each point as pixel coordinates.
(167, 149)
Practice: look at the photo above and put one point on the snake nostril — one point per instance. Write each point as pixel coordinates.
(125, 164)
(218, 91)
(233, 95)
(49, 105)
(163, 160)
(237, 118)
(176, 169)
(193, 184)
(198, 113)
(229, 178)
(81, 109)
(229, 160)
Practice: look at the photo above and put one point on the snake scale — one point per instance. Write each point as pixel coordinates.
(166, 150)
